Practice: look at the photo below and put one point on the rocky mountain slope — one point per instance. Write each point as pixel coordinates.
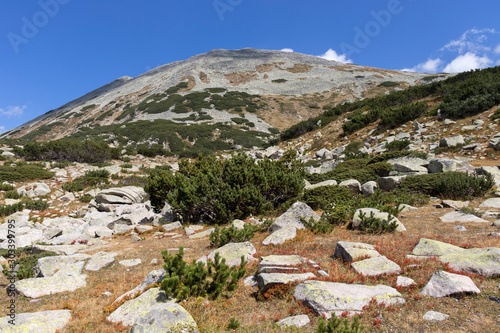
(249, 90)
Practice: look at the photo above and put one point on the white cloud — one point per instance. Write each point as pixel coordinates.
(287, 50)
(473, 40)
(497, 49)
(332, 55)
(430, 66)
(467, 62)
(13, 111)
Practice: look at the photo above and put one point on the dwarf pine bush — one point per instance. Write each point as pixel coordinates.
(337, 325)
(220, 237)
(217, 191)
(184, 280)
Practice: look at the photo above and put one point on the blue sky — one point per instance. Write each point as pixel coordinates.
(53, 51)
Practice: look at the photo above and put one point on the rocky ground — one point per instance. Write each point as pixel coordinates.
(440, 272)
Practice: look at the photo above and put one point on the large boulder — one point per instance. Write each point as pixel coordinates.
(452, 141)
(438, 165)
(350, 251)
(433, 248)
(408, 166)
(48, 266)
(352, 185)
(376, 266)
(280, 236)
(444, 284)
(459, 216)
(281, 263)
(389, 183)
(268, 280)
(293, 215)
(325, 298)
(100, 260)
(495, 142)
(164, 317)
(121, 195)
(51, 321)
(485, 261)
(233, 252)
(38, 287)
(32, 190)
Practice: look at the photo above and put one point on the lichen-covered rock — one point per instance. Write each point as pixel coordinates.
(485, 261)
(404, 282)
(32, 190)
(452, 141)
(39, 322)
(171, 226)
(330, 182)
(376, 266)
(130, 262)
(48, 266)
(350, 251)
(444, 284)
(491, 203)
(129, 311)
(273, 261)
(100, 260)
(408, 166)
(352, 185)
(280, 236)
(389, 183)
(383, 216)
(38, 287)
(232, 252)
(369, 188)
(164, 318)
(327, 297)
(429, 247)
(293, 215)
(297, 321)
(438, 165)
(267, 280)
(202, 234)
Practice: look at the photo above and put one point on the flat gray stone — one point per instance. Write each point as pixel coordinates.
(59, 249)
(280, 236)
(351, 184)
(327, 297)
(444, 284)
(202, 234)
(132, 309)
(459, 216)
(429, 247)
(38, 287)
(233, 252)
(491, 203)
(100, 260)
(452, 141)
(350, 251)
(455, 204)
(376, 266)
(293, 215)
(484, 262)
(435, 316)
(39, 322)
(297, 321)
(121, 195)
(330, 182)
(164, 317)
(171, 226)
(267, 280)
(275, 261)
(130, 262)
(404, 282)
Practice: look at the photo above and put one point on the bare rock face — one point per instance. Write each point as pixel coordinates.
(444, 284)
(41, 322)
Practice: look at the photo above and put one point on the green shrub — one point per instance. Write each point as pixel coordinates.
(353, 169)
(184, 280)
(321, 197)
(66, 150)
(86, 198)
(21, 173)
(218, 191)
(11, 209)
(99, 173)
(26, 265)
(220, 237)
(6, 187)
(396, 154)
(126, 166)
(371, 224)
(233, 324)
(388, 84)
(397, 145)
(73, 186)
(398, 116)
(279, 81)
(452, 185)
(337, 325)
(12, 195)
(37, 205)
